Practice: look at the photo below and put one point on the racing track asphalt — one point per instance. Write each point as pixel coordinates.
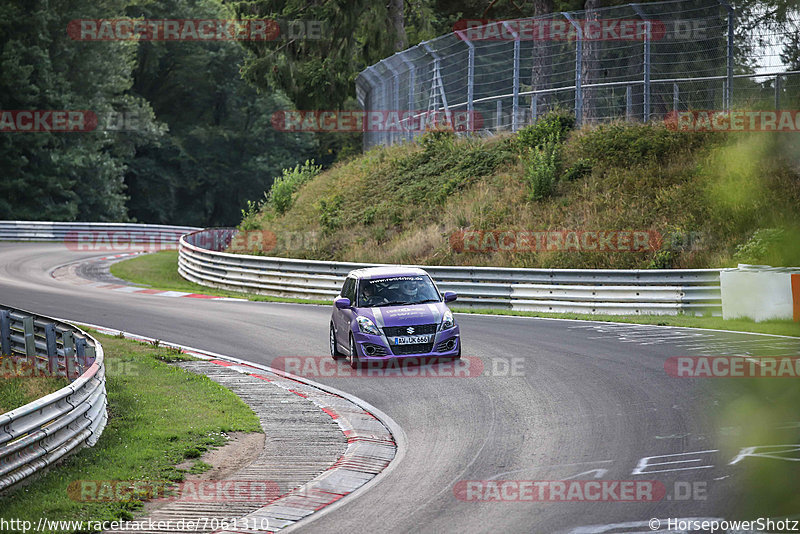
(592, 402)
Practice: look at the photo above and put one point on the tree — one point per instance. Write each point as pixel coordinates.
(221, 149)
(63, 175)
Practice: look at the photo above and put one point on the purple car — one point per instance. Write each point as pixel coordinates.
(392, 312)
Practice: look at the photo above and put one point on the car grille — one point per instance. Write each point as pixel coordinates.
(419, 330)
(421, 348)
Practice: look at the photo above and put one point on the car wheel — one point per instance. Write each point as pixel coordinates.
(335, 354)
(458, 354)
(355, 363)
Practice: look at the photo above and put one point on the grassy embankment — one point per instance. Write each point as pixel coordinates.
(716, 200)
(159, 416)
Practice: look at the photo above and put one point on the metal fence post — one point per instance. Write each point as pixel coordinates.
(367, 104)
(534, 107)
(28, 336)
(436, 81)
(412, 80)
(52, 349)
(729, 54)
(777, 92)
(578, 69)
(396, 102)
(5, 333)
(646, 88)
(387, 136)
(515, 97)
(470, 79)
(675, 99)
(498, 117)
(628, 103)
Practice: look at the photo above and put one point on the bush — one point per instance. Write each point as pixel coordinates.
(329, 210)
(577, 170)
(768, 246)
(624, 144)
(541, 169)
(281, 193)
(555, 125)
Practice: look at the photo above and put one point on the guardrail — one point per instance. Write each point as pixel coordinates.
(94, 234)
(38, 434)
(667, 292)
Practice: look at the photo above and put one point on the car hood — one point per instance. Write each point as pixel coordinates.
(430, 312)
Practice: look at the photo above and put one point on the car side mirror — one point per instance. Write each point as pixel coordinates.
(342, 303)
(450, 296)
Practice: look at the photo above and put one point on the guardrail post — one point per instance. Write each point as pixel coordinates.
(5, 333)
(30, 340)
(52, 348)
(90, 355)
(70, 361)
(80, 351)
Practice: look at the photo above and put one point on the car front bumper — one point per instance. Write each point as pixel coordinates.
(446, 344)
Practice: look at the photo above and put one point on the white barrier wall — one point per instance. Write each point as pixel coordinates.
(757, 292)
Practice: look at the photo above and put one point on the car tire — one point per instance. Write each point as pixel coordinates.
(335, 354)
(355, 362)
(458, 354)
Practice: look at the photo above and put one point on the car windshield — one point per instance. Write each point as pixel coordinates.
(412, 289)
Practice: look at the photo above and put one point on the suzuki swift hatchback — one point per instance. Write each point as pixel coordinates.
(392, 312)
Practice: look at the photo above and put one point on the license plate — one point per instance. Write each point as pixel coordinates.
(412, 340)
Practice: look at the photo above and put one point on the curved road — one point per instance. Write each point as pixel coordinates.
(592, 401)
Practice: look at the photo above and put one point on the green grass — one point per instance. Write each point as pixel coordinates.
(16, 391)
(160, 271)
(158, 415)
(782, 328)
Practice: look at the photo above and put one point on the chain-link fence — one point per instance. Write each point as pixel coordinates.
(631, 62)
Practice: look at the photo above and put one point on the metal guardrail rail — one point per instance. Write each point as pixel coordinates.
(38, 434)
(92, 233)
(201, 260)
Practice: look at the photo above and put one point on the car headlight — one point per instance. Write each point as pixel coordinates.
(448, 321)
(366, 326)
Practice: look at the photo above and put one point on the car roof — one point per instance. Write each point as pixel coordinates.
(387, 272)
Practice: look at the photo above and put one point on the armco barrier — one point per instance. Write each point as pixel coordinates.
(665, 292)
(38, 434)
(94, 235)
